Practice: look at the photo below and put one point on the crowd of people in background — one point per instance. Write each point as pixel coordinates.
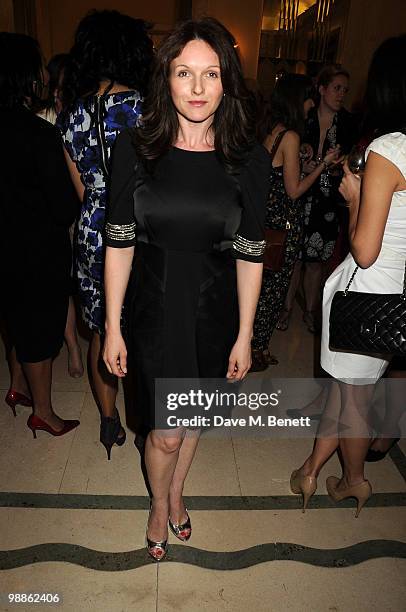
(108, 226)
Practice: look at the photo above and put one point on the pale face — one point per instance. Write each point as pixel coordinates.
(195, 82)
(308, 104)
(333, 95)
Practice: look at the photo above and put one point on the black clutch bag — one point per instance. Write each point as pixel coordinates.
(368, 322)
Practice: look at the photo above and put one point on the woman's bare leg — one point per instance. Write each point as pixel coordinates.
(293, 286)
(326, 442)
(161, 456)
(356, 404)
(75, 363)
(18, 381)
(312, 280)
(186, 454)
(168, 459)
(39, 377)
(394, 410)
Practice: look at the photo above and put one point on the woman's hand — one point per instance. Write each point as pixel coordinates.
(332, 155)
(240, 360)
(115, 354)
(309, 166)
(350, 187)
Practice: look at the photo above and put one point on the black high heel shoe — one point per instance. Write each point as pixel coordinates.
(110, 428)
(377, 455)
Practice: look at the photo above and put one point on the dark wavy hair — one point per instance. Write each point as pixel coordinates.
(56, 67)
(286, 104)
(21, 76)
(386, 86)
(233, 121)
(111, 46)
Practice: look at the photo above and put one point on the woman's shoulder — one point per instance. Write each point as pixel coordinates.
(392, 146)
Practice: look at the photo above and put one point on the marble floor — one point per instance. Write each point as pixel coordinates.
(73, 524)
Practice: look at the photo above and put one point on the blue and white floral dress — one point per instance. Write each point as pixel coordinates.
(84, 137)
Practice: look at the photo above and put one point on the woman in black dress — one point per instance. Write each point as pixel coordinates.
(327, 126)
(38, 204)
(290, 103)
(195, 211)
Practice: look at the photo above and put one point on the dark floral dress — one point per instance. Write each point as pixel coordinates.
(321, 221)
(280, 209)
(83, 141)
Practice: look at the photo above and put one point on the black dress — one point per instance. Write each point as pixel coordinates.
(321, 220)
(280, 209)
(190, 221)
(38, 204)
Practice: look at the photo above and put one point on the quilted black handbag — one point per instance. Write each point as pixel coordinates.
(368, 322)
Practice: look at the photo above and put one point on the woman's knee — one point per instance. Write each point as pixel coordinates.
(165, 441)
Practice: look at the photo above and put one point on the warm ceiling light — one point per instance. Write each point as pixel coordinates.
(235, 46)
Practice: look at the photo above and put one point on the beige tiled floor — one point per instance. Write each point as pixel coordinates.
(232, 466)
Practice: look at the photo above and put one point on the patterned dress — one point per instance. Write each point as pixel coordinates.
(90, 148)
(321, 211)
(280, 208)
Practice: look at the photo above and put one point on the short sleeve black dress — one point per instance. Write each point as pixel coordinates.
(38, 203)
(190, 221)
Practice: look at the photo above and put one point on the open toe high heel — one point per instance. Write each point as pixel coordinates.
(182, 531)
(156, 550)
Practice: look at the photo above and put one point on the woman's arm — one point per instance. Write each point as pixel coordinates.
(116, 274)
(295, 187)
(75, 176)
(120, 242)
(249, 277)
(368, 212)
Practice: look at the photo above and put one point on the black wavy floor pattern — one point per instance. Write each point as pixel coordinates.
(240, 559)
(197, 502)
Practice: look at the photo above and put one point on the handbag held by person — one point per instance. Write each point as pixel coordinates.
(368, 322)
(275, 245)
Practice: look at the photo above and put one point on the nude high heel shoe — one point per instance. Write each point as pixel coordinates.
(305, 485)
(362, 492)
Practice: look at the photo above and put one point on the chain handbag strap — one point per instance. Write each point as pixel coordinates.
(403, 295)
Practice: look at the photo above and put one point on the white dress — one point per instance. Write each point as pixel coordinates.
(384, 276)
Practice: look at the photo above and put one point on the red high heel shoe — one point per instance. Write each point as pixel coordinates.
(14, 397)
(35, 423)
